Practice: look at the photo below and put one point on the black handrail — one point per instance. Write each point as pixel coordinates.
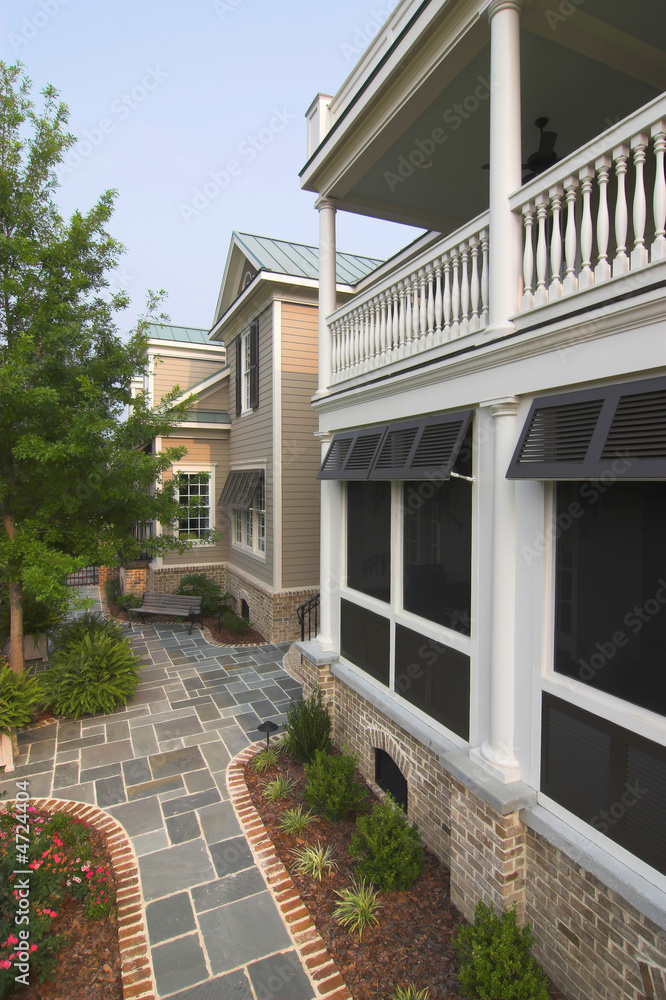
(309, 610)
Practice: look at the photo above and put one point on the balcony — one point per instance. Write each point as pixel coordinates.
(595, 216)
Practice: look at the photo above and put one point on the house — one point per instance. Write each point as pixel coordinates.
(250, 432)
(492, 418)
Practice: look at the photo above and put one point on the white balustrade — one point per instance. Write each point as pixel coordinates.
(440, 296)
(598, 215)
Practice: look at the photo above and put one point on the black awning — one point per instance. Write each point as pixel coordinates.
(240, 488)
(617, 430)
(426, 448)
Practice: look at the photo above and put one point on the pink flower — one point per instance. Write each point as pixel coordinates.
(5, 964)
(33, 947)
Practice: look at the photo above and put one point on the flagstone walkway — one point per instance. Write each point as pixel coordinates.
(159, 766)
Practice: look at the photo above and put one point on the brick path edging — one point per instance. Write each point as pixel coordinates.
(324, 974)
(135, 968)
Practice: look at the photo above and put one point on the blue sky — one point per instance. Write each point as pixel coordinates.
(194, 111)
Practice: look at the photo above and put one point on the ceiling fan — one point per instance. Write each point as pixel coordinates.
(544, 157)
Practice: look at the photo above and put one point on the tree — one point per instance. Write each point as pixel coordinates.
(75, 472)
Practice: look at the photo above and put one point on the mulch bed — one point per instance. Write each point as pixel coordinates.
(411, 943)
(89, 961)
(221, 636)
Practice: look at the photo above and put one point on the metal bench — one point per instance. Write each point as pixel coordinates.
(182, 605)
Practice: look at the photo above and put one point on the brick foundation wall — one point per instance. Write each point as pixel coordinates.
(134, 578)
(106, 573)
(589, 940)
(273, 613)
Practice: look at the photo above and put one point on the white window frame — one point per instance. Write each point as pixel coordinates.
(192, 470)
(249, 526)
(245, 373)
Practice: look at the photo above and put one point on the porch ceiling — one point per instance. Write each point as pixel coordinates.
(583, 74)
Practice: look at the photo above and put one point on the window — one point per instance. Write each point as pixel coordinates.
(250, 525)
(247, 370)
(194, 491)
(610, 588)
(369, 538)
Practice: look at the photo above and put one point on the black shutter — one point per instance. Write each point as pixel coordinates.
(617, 430)
(351, 454)
(365, 639)
(240, 488)
(421, 449)
(607, 775)
(434, 678)
(239, 375)
(254, 365)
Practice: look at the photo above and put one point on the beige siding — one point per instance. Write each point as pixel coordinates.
(218, 400)
(300, 449)
(183, 372)
(251, 440)
(210, 450)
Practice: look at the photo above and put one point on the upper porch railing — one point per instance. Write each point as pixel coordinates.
(438, 296)
(598, 214)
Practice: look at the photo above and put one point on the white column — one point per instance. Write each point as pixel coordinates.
(329, 558)
(505, 162)
(327, 296)
(498, 750)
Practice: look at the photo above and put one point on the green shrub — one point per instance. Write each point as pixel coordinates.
(74, 630)
(96, 674)
(495, 960)
(358, 907)
(294, 821)
(278, 788)
(200, 585)
(125, 601)
(19, 696)
(265, 760)
(332, 787)
(112, 589)
(39, 617)
(391, 851)
(308, 727)
(234, 623)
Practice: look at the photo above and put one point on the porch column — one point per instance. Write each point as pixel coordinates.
(329, 526)
(498, 749)
(327, 296)
(505, 163)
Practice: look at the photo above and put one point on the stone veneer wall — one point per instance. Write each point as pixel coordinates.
(592, 943)
(272, 612)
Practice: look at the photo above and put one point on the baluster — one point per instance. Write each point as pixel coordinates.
(555, 289)
(430, 303)
(570, 237)
(474, 284)
(402, 319)
(353, 341)
(439, 313)
(367, 338)
(602, 271)
(541, 294)
(374, 314)
(586, 277)
(658, 251)
(527, 301)
(639, 255)
(396, 319)
(344, 345)
(464, 288)
(446, 263)
(485, 278)
(337, 335)
(423, 313)
(382, 328)
(455, 294)
(621, 262)
(407, 314)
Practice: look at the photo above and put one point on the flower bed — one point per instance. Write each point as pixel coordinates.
(57, 905)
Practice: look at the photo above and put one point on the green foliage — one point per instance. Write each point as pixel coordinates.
(265, 759)
(495, 960)
(391, 851)
(200, 585)
(58, 851)
(19, 696)
(112, 589)
(410, 992)
(125, 601)
(314, 861)
(94, 675)
(294, 821)
(278, 788)
(332, 787)
(308, 727)
(72, 631)
(234, 623)
(39, 617)
(358, 907)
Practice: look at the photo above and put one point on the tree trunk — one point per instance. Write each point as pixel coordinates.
(16, 660)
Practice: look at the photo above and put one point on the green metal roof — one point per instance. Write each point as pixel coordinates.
(301, 261)
(185, 334)
(208, 417)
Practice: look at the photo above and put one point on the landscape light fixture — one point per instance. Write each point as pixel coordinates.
(268, 727)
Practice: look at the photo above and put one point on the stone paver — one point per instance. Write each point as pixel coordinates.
(159, 767)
